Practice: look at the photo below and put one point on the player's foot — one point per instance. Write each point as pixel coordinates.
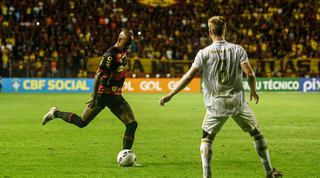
(207, 176)
(136, 164)
(49, 116)
(275, 173)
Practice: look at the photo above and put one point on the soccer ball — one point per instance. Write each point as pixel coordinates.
(126, 158)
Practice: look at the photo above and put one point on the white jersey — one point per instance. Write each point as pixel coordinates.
(222, 78)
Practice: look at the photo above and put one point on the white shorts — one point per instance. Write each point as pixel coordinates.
(246, 120)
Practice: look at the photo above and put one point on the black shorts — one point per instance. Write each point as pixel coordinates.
(111, 101)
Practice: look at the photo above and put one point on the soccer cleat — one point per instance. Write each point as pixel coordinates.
(275, 173)
(49, 116)
(207, 176)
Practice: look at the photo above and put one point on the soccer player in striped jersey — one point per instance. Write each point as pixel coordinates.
(107, 90)
(222, 65)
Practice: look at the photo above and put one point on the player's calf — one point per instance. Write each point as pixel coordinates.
(71, 118)
(129, 135)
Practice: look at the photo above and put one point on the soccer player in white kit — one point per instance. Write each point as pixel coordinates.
(222, 65)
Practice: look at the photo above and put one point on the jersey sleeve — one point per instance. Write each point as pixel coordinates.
(198, 61)
(107, 63)
(243, 55)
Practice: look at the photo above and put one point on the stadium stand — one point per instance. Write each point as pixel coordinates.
(56, 38)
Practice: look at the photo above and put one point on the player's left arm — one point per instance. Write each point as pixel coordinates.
(185, 80)
(251, 79)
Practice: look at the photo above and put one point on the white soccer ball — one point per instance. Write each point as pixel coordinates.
(126, 158)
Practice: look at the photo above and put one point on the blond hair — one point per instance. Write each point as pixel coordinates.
(217, 25)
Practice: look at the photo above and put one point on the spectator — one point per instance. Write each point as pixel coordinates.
(54, 70)
(169, 53)
(277, 73)
(265, 30)
(257, 71)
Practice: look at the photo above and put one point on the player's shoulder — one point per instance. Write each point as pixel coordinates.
(235, 47)
(112, 51)
(231, 45)
(206, 50)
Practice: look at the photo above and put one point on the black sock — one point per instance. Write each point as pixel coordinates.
(129, 135)
(70, 118)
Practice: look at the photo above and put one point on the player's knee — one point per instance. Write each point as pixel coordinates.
(209, 136)
(255, 131)
(132, 125)
(131, 128)
(204, 134)
(82, 124)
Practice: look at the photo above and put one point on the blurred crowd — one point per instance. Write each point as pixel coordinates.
(55, 38)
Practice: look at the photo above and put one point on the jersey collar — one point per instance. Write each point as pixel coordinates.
(219, 42)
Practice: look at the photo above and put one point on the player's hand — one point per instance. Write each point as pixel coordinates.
(91, 103)
(165, 99)
(255, 95)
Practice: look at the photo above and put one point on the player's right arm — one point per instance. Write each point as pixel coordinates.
(106, 64)
(185, 80)
(93, 101)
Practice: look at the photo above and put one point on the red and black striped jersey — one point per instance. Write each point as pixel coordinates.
(114, 64)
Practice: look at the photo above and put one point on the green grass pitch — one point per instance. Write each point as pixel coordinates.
(167, 139)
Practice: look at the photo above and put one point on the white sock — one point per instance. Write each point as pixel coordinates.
(261, 146)
(206, 155)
